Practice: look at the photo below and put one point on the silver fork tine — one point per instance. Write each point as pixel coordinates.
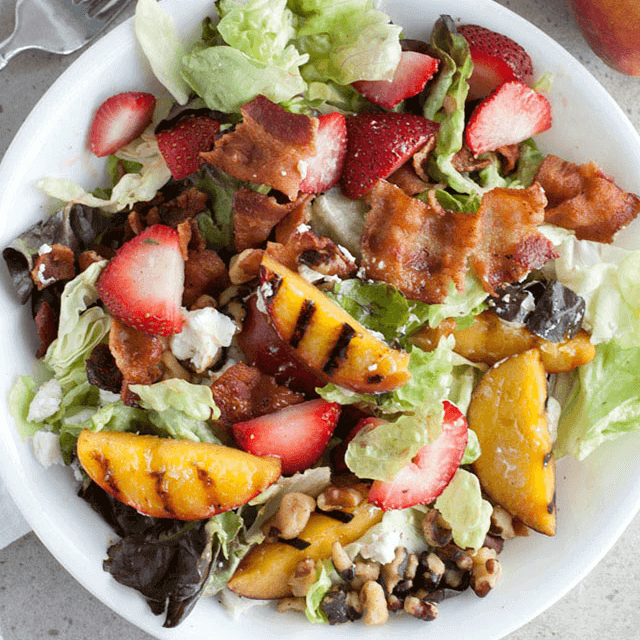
(58, 26)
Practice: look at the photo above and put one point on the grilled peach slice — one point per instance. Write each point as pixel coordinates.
(325, 337)
(490, 339)
(265, 571)
(516, 467)
(168, 478)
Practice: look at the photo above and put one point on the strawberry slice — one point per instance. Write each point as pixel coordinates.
(377, 144)
(511, 114)
(431, 470)
(119, 120)
(298, 434)
(181, 145)
(324, 169)
(411, 75)
(496, 59)
(142, 284)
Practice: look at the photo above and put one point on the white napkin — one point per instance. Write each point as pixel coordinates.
(12, 524)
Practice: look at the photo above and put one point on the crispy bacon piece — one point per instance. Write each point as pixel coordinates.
(255, 216)
(510, 245)
(267, 147)
(510, 154)
(137, 355)
(299, 215)
(465, 161)
(204, 272)
(183, 207)
(419, 248)
(46, 327)
(585, 200)
(320, 254)
(54, 266)
(408, 180)
(243, 392)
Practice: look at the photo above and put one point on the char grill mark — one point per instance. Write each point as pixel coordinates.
(303, 321)
(296, 543)
(107, 474)
(271, 284)
(162, 492)
(339, 350)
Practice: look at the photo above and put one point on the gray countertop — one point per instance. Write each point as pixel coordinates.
(40, 600)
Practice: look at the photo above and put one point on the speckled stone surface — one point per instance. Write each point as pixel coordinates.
(39, 600)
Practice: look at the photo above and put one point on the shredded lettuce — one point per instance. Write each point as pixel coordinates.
(317, 591)
(462, 506)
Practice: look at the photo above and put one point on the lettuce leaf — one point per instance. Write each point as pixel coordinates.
(462, 506)
(317, 591)
(156, 36)
(607, 277)
(604, 401)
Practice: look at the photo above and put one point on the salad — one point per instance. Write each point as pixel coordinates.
(214, 371)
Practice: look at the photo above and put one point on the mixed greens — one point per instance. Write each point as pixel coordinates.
(304, 55)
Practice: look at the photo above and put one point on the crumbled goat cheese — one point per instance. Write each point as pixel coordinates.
(204, 333)
(302, 168)
(44, 248)
(46, 448)
(44, 281)
(46, 401)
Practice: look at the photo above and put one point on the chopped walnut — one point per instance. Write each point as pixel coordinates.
(485, 572)
(339, 498)
(424, 610)
(303, 577)
(293, 514)
(437, 533)
(342, 562)
(390, 572)
(374, 603)
(502, 523)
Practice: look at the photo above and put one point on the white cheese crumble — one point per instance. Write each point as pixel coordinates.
(46, 401)
(46, 448)
(45, 248)
(205, 332)
(42, 267)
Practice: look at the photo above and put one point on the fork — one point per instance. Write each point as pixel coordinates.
(58, 26)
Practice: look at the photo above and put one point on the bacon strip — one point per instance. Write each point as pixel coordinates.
(510, 245)
(420, 248)
(204, 273)
(243, 392)
(269, 146)
(585, 200)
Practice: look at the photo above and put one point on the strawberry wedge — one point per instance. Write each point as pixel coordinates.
(181, 145)
(143, 283)
(323, 170)
(119, 120)
(496, 59)
(377, 144)
(298, 434)
(511, 114)
(411, 75)
(431, 470)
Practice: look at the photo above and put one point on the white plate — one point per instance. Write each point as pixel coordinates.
(595, 501)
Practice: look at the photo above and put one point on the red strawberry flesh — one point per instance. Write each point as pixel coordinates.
(431, 470)
(411, 75)
(142, 284)
(379, 143)
(496, 59)
(298, 434)
(181, 145)
(324, 169)
(511, 114)
(119, 120)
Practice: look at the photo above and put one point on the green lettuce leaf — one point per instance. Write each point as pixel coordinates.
(81, 326)
(155, 33)
(194, 400)
(607, 277)
(22, 393)
(462, 506)
(317, 591)
(604, 401)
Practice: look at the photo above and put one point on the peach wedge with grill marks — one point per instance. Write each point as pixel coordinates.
(167, 478)
(508, 414)
(325, 337)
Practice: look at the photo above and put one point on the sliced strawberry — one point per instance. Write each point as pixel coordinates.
(411, 75)
(181, 145)
(511, 114)
(324, 169)
(496, 59)
(142, 284)
(431, 470)
(377, 144)
(119, 120)
(298, 434)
